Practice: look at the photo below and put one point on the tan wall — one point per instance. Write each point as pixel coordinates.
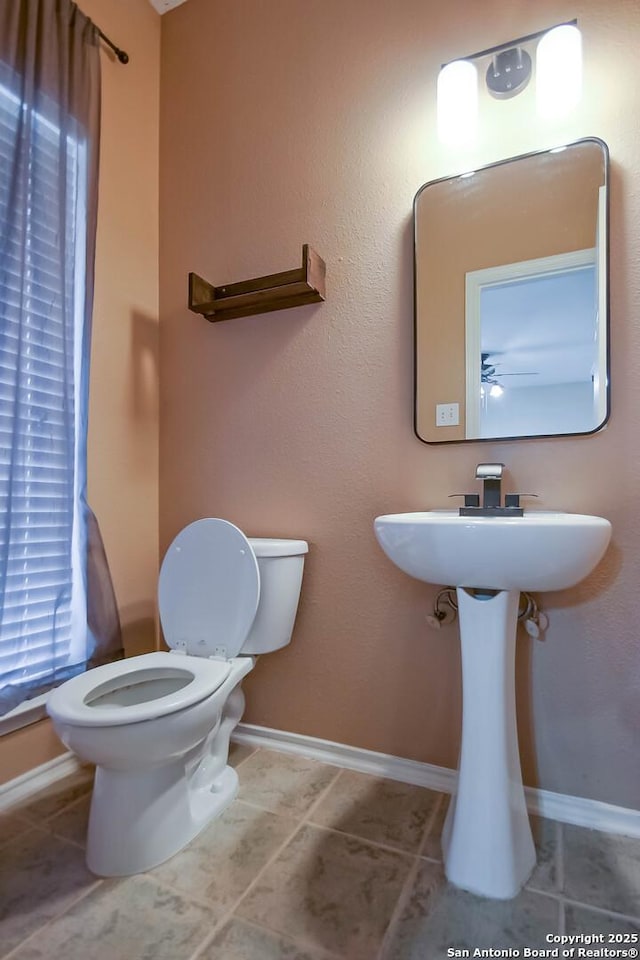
(284, 122)
(123, 416)
(536, 207)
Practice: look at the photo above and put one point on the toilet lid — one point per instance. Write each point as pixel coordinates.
(208, 590)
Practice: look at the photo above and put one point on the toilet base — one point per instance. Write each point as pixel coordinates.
(141, 817)
(139, 820)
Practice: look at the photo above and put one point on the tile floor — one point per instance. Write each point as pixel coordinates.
(309, 863)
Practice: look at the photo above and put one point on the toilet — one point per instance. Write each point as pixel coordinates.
(157, 726)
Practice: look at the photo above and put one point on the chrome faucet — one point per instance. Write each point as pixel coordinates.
(491, 476)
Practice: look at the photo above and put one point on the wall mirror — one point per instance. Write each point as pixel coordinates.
(511, 298)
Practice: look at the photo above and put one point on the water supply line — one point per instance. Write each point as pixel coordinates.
(445, 611)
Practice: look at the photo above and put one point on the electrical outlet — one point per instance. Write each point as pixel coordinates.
(447, 414)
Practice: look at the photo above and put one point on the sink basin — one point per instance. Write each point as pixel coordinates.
(538, 551)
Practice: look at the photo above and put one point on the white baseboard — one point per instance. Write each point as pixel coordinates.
(15, 791)
(593, 814)
(580, 811)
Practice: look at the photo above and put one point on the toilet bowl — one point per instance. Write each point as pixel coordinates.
(157, 726)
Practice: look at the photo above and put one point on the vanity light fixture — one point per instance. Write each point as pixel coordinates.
(559, 71)
(458, 103)
(509, 67)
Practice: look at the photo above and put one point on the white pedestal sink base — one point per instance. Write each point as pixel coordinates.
(487, 843)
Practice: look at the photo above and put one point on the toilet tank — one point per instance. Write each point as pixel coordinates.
(280, 563)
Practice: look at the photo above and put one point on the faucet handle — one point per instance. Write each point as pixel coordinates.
(489, 471)
(470, 499)
(513, 499)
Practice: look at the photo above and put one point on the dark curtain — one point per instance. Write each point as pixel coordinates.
(102, 611)
(62, 615)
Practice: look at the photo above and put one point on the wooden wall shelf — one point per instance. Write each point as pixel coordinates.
(278, 291)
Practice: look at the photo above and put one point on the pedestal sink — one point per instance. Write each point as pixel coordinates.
(487, 843)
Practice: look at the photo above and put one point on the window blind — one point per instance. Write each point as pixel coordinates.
(38, 361)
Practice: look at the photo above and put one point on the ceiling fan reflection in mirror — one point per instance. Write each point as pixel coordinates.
(489, 372)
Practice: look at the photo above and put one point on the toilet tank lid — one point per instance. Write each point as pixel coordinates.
(277, 547)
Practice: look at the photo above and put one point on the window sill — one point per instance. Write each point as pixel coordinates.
(25, 713)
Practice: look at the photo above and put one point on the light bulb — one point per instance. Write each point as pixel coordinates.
(457, 103)
(496, 390)
(559, 72)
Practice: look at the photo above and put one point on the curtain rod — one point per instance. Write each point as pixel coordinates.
(120, 54)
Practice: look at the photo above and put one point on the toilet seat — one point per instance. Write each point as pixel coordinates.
(208, 590)
(208, 593)
(98, 697)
